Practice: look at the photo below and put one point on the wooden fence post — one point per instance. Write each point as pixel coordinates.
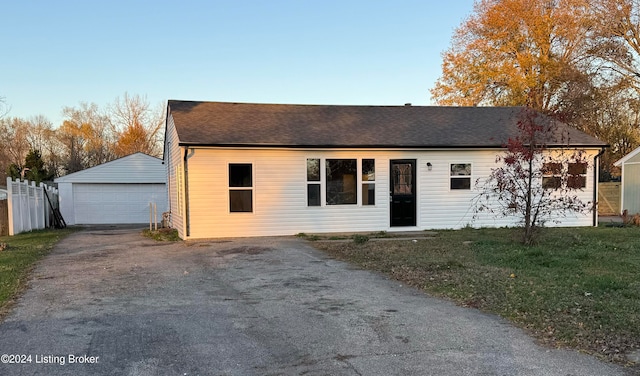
(4, 217)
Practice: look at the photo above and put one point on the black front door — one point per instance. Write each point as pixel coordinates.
(403, 192)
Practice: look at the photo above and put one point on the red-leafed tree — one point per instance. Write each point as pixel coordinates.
(538, 177)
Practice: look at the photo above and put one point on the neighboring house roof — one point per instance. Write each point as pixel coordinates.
(285, 125)
(133, 168)
(627, 157)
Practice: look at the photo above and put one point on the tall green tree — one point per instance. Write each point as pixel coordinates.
(35, 168)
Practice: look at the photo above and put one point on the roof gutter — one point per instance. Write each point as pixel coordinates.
(596, 177)
(372, 146)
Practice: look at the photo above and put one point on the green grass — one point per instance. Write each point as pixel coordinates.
(19, 257)
(578, 287)
(163, 235)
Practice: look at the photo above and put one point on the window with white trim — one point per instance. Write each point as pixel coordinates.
(341, 181)
(368, 182)
(551, 175)
(460, 176)
(577, 178)
(240, 187)
(313, 182)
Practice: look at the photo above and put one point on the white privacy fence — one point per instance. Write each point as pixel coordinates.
(31, 207)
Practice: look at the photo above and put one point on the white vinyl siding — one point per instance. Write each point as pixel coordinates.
(280, 193)
(134, 168)
(173, 158)
(280, 196)
(631, 187)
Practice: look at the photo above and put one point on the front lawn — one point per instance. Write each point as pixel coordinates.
(18, 255)
(578, 287)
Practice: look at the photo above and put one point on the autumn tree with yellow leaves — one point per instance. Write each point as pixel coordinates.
(578, 60)
(138, 126)
(86, 137)
(515, 52)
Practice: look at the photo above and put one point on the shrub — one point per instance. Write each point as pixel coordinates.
(360, 239)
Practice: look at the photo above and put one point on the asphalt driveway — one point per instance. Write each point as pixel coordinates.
(110, 302)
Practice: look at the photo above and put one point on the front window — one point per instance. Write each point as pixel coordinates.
(368, 182)
(341, 181)
(313, 182)
(240, 187)
(460, 176)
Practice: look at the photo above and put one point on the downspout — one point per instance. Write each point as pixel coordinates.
(168, 174)
(596, 176)
(187, 221)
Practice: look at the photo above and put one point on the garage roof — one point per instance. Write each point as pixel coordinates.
(629, 157)
(134, 168)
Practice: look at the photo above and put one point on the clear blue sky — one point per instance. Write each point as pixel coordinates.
(60, 53)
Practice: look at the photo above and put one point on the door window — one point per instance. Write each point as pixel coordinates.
(402, 179)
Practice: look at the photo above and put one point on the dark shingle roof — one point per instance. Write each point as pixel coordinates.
(285, 125)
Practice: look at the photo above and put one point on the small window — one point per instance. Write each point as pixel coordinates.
(368, 182)
(313, 182)
(577, 175)
(240, 187)
(313, 169)
(460, 176)
(313, 194)
(551, 175)
(341, 181)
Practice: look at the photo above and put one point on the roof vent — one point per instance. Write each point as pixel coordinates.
(408, 104)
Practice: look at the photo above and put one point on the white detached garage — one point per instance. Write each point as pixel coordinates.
(119, 191)
(630, 195)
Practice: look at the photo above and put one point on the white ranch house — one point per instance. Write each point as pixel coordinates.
(239, 169)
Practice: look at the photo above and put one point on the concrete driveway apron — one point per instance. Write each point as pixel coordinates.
(110, 302)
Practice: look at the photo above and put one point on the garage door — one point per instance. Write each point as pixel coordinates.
(117, 203)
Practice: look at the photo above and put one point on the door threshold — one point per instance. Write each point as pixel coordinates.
(404, 229)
